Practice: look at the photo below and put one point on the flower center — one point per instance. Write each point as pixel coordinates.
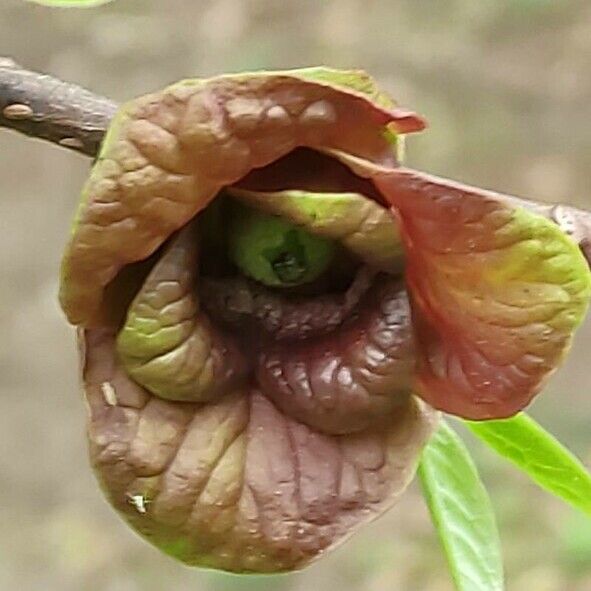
(274, 251)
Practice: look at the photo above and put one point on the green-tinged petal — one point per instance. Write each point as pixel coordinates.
(173, 151)
(461, 512)
(358, 80)
(364, 227)
(537, 453)
(497, 291)
(166, 344)
(362, 82)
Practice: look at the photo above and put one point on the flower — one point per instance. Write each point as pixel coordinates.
(271, 307)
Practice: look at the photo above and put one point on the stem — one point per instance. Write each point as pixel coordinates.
(68, 115)
(44, 107)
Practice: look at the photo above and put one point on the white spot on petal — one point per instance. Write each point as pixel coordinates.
(277, 114)
(139, 502)
(319, 112)
(109, 393)
(344, 377)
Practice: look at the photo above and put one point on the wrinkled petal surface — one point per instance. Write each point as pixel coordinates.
(166, 344)
(497, 294)
(236, 484)
(352, 379)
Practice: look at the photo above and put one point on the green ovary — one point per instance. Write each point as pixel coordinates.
(274, 251)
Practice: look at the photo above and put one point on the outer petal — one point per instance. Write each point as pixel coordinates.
(357, 80)
(168, 154)
(497, 291)
(234, 484)
(497, 294)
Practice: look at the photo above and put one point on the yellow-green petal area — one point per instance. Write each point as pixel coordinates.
(166, 344)
(357, 80)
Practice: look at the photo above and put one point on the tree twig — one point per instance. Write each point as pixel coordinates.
(44, 107)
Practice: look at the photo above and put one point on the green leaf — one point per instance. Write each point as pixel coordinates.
(461, 512)
(71, 3)
(540, 455)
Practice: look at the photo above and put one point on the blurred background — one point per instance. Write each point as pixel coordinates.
(506, 87)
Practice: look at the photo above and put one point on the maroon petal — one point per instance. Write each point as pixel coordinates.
(352, 378)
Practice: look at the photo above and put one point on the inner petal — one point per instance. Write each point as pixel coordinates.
(352, 378)
(368, 230)
(167, 344)
(245, 305)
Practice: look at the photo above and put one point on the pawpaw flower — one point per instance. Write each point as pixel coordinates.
(272, 310)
